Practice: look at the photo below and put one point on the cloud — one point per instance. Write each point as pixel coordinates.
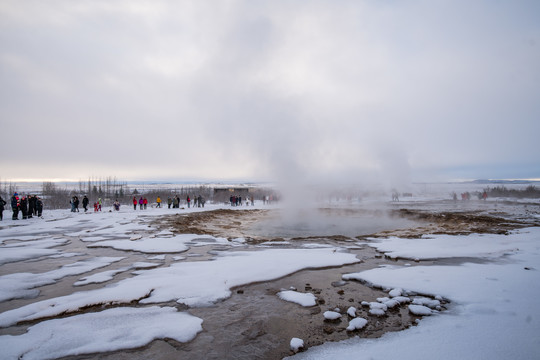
(268, 89)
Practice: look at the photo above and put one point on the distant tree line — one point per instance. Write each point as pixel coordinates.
(530, 192)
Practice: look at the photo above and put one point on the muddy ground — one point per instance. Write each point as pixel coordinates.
(254, 323)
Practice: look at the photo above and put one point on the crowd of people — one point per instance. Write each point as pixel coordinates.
(29, 206)
(237, 200)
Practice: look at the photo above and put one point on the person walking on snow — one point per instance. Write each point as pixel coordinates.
(134, 203)
(158, 200)
(15, 206)
(85, 202)
(140, 203)
(2, 203)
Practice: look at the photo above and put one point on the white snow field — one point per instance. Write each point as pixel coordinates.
(194, 283)
(494, 311)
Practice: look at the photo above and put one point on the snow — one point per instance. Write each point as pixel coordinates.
(492, 310)
(493, 313)
(357, 324)
(437, 246)
(351, 311)
(24, 250)
(420, 310)
(331, 315)
(296, 344)
(108, 330)
(22, 285)
(304, 299)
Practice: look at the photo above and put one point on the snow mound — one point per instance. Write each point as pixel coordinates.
(357, 324)
(430, 303)
(351, 311)
(296, 344)
(331, 315)
(420, 310)
(112, 330)
(304, 299)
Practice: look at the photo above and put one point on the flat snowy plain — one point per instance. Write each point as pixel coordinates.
(112, 303)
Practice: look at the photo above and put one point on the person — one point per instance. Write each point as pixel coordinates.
(116, 205)
(200, 201)
(176, 203)
(188, 201)
(72, 202)
(31, 205)
(39, 206)
(140, 203)
(76, 204)
(24, 207)
(2, 203)
(99, 204)
(15, 206)
(158, 200)
(145, 203)
(95, 206)
(85, 202)
(169, 202)
(134, 203)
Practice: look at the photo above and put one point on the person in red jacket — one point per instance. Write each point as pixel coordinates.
(134, 203)
(145, 203)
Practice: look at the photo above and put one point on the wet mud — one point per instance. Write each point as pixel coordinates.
(253, 323)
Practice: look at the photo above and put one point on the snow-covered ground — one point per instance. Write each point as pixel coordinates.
(193, 283)
(493, 312)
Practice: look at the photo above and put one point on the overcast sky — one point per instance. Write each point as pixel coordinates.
(258, 90)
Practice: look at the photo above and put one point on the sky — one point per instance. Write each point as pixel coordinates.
(270, 90)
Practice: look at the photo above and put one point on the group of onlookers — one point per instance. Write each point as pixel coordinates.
(29, 206)
(237, 200)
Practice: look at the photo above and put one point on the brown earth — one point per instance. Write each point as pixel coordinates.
(253, 323)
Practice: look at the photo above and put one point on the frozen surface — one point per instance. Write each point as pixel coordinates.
(438, 246)
(304, 299)
(494, 312)
(108, 330)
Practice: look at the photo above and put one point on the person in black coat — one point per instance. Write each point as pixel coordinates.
(39, 207)
(85, 203)
(24, 207)
(2, 203)
(15, 206)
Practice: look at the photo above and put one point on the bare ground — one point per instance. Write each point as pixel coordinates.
(255, 324)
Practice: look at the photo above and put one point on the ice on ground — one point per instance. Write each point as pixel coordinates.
(331, 315)
(111, 330)
(153, 245)
(109, 275)
(304, 299)
(32, 249)
(157, 245)
(351, 311)
(296, 344)
(22, 285)
(395, 292)
(196, 283)
(420, 310)
(356, 324)
(430, 303)
(494, 312)
(444, 246)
